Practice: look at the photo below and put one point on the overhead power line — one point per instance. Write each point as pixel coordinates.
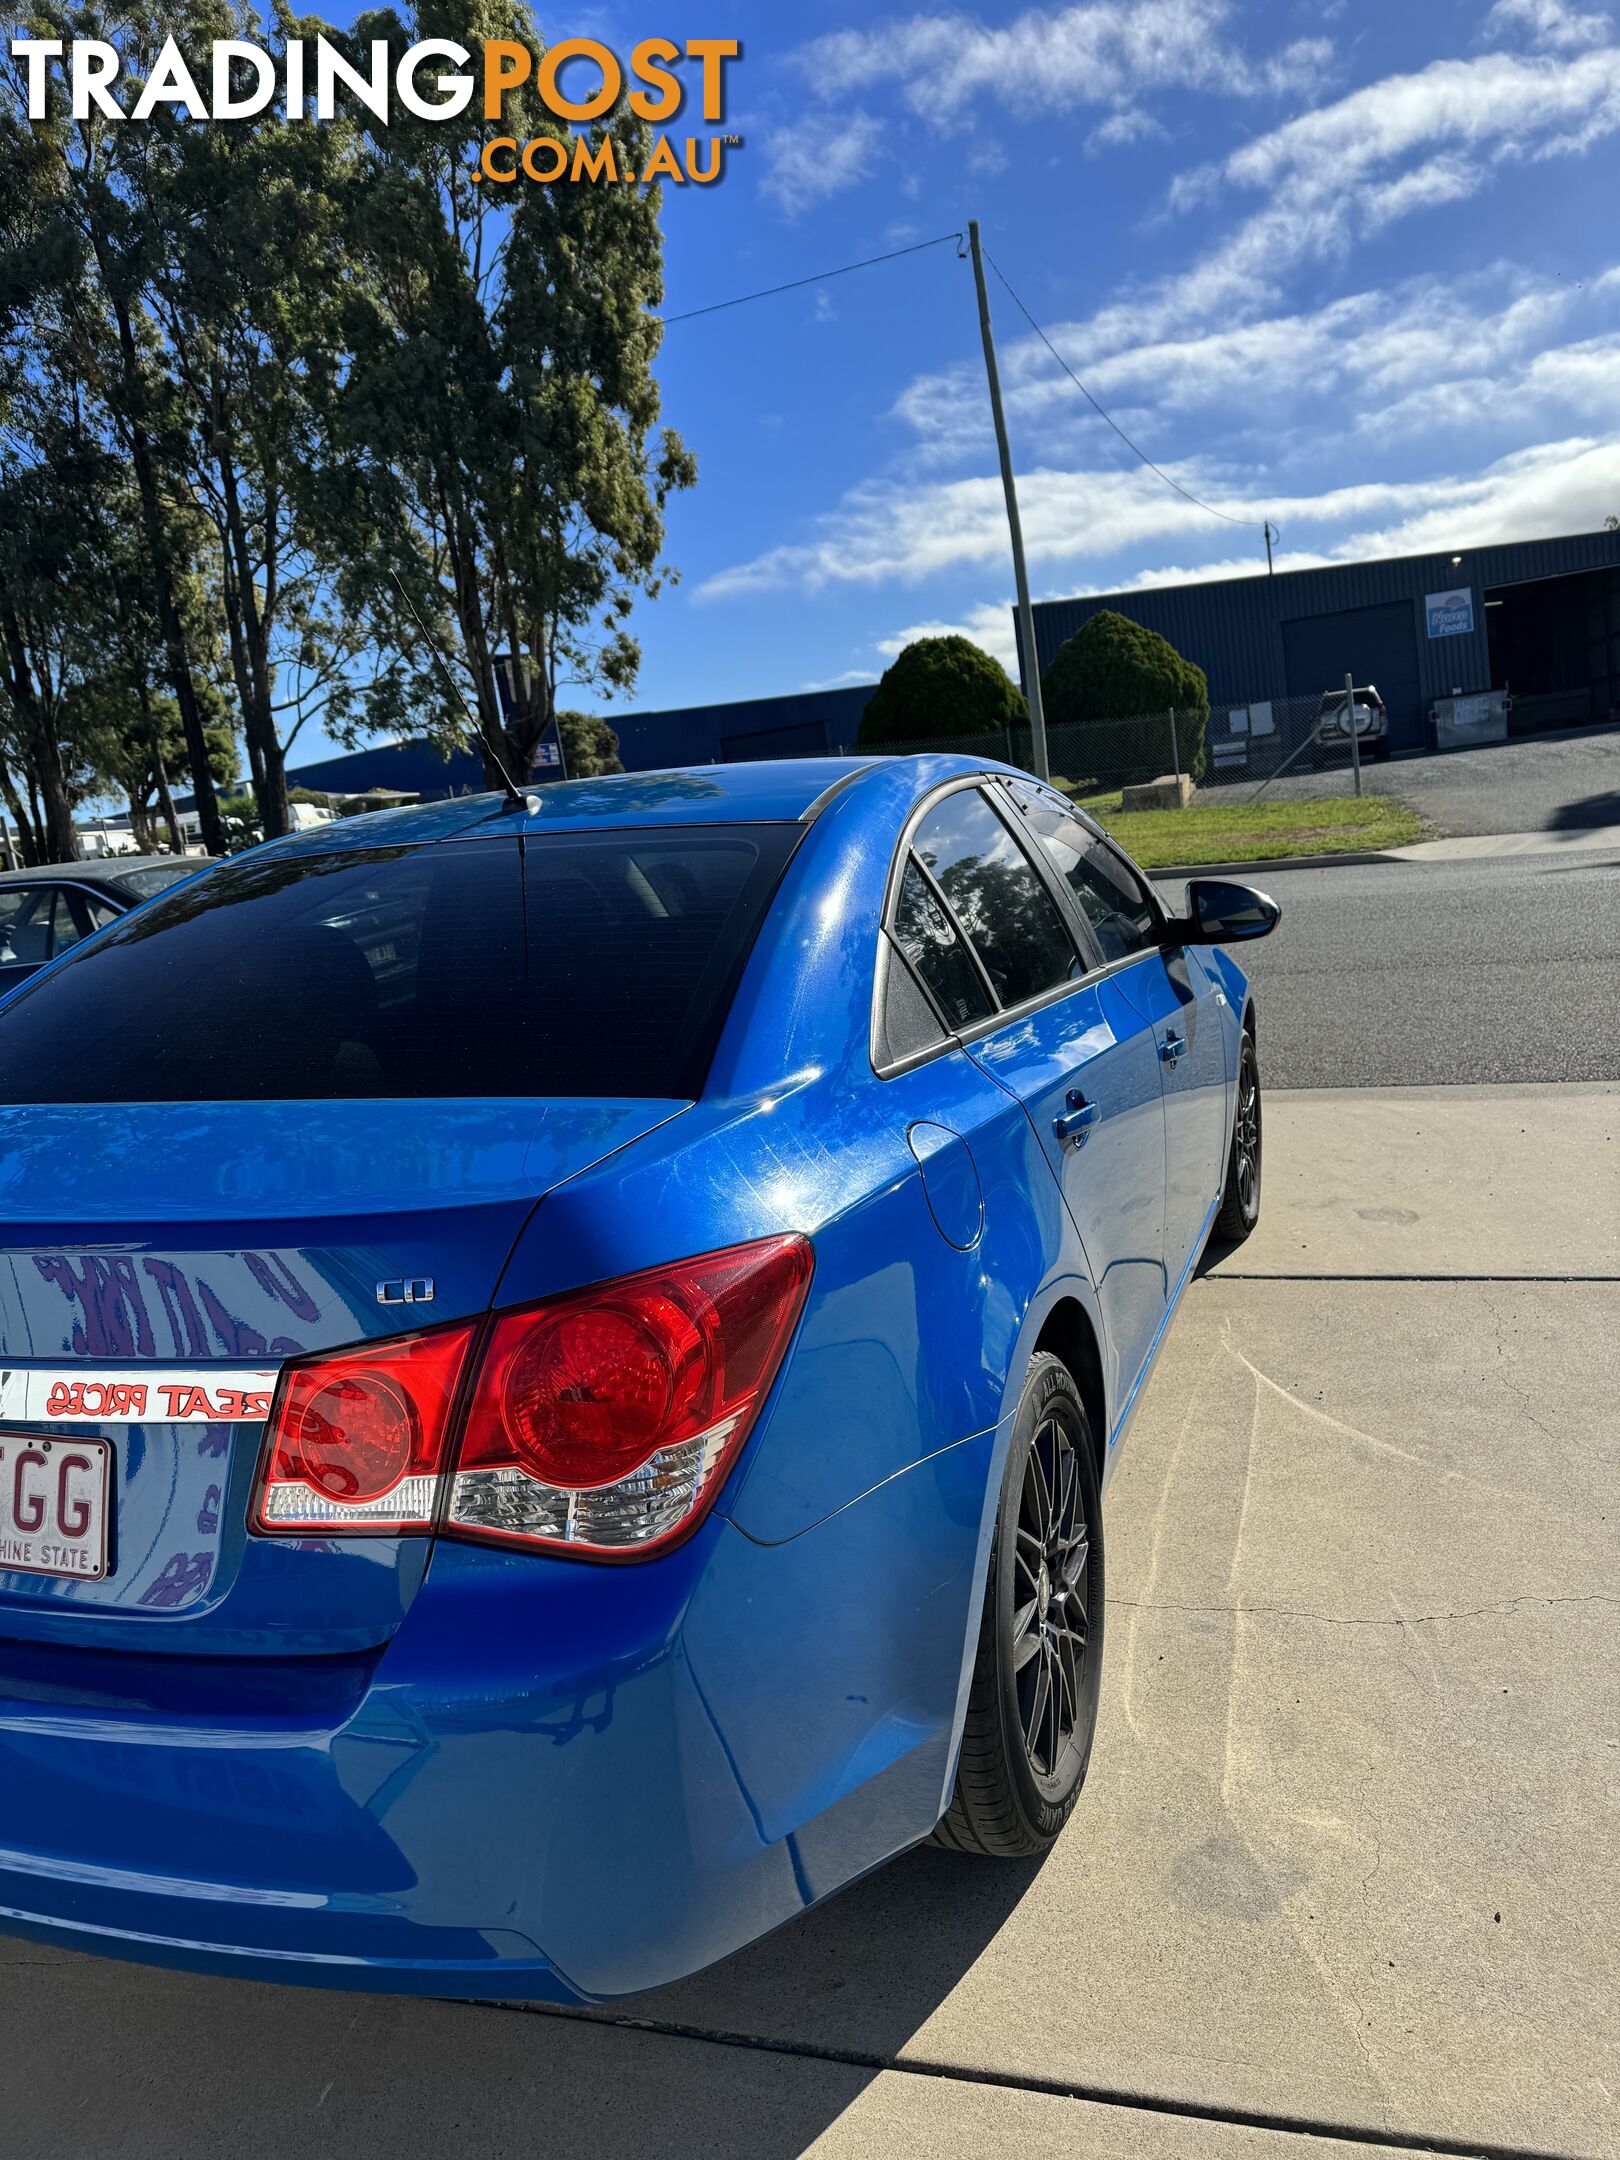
(1135, 448)
(769, 292)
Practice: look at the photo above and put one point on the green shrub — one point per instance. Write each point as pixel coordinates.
(589, 746)
(941, 687)
(1114, 669)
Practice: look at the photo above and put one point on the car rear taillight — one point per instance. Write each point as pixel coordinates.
(600, 1423)
(603, 1423)
(357, 1439)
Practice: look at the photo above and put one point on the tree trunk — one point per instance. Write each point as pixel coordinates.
(160, 775)
(275, 808)
(47, 783)
(24, 839)
(177, 842)
(61, 834)
(174, 641)
(250, 628)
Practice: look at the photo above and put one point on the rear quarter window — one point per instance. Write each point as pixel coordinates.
(565, 965)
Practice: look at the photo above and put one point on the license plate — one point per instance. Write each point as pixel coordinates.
(55, 1505)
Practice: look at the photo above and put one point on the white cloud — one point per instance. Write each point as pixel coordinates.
(846, 681)
(1357, 358)
(894, 530)
(1129, 124)
(1501, 105)
(1550, 23)
(899, 532)
(1554, 487)
(1102, 52)
(819, 157)
(989, 624)
(1359, 164)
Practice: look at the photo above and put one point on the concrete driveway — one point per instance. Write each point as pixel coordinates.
(1343, 1876)
(1540, 783)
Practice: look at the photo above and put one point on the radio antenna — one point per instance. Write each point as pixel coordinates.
(509, 789)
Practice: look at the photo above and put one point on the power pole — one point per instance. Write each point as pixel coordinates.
(1026, 614)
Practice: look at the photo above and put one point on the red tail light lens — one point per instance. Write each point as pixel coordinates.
(356, 1440)
(603, 1423)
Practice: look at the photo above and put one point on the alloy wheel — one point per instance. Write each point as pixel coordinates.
(1050, 1622)
(1247, 1138)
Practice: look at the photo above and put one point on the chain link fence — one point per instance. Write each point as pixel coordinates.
(1286, 746)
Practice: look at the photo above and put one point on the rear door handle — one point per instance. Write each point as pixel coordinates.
(1173, 1046)
(1077, 1121)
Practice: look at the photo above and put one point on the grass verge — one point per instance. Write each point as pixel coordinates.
(1257, 832)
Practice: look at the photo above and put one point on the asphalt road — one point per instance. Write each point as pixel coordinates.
(1430, 974)
(1545, 783)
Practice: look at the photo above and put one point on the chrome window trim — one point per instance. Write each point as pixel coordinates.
(959, 1038)
(813, 810)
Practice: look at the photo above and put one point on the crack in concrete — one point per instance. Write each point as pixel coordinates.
(1505, 1376)
(1294, 1612)
(1185, 2109)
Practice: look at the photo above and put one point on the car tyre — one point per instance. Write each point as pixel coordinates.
(1032, 1707)
(1240, 1203)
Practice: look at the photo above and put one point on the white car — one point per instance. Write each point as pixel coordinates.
(1371, 721)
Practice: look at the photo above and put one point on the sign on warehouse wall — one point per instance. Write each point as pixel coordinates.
(1451, 614)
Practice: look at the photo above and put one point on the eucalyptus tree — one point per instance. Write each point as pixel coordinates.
(494, 433)
(37, 544)
(85, 287)
(247, 297)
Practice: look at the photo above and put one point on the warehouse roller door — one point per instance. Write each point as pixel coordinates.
(1376, 645)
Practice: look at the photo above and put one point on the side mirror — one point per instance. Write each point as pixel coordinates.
(1223, 914)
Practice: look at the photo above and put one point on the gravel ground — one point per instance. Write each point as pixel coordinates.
(1430, 974)
(1546, 783)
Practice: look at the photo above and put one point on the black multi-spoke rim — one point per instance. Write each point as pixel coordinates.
(1050, 1622)
(1247, 1139)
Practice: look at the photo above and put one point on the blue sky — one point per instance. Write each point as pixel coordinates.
(1354, 268)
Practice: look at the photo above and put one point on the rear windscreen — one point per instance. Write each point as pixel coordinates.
(590, 964)
(141, 884)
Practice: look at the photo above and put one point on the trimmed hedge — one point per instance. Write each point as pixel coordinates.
(1114, 669)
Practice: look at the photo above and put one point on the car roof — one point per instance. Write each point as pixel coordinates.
(778, 791)
(104, 870)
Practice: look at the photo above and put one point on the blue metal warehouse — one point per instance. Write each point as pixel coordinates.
(1539, 618)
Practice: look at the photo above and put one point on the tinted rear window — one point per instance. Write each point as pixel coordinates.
(596, 964)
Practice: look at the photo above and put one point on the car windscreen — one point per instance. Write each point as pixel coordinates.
(590, 964)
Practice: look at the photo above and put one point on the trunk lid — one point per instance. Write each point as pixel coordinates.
(159, 1262)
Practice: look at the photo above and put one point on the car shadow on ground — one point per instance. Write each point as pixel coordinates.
(755, 2058)
(1590, 810)
(1217, 1250)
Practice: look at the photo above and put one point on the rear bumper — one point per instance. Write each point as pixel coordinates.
(559, 1781)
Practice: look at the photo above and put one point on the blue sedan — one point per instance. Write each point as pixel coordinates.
(559, 1358)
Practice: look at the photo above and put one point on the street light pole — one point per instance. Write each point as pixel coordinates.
(1026, 614)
